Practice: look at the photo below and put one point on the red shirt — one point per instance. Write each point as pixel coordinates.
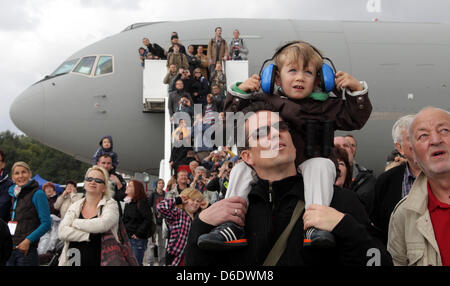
(440, 218)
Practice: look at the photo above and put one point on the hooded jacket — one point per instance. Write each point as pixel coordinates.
(101, 151)
(349, 114)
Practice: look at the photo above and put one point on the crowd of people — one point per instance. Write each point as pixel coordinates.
(193, 76)
(292, 194)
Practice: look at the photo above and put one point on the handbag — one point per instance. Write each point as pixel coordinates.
(114, 253)
(280, 246)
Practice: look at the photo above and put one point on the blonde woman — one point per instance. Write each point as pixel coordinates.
(30, 217)
(86, 220)
(179, 213)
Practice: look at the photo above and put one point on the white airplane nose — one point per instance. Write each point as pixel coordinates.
(27, 111)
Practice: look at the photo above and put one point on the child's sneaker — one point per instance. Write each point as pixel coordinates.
(319, 238)
(225, 236)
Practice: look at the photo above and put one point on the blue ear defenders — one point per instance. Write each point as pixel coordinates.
(326, 74)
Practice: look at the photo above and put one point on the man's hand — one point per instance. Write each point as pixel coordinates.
(204, 204)
(232, 209)
(344, 80)
(321, 217)
(184, 199)
(116, 180)
(252, 84)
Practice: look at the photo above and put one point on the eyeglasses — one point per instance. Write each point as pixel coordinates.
(90, 179)
(264, 131)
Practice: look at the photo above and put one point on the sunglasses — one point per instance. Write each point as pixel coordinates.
(90, 179)
(264, 131)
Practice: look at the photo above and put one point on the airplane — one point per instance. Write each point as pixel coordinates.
(98, 90)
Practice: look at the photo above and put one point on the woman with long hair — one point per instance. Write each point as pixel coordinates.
(344, 179)
(138, 218)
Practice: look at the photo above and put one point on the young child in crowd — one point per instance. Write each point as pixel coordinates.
(106, 147)
(313, 113)
(142, 55)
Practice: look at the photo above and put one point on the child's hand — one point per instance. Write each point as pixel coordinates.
(344, 80)
(321, 217)
(252, 84)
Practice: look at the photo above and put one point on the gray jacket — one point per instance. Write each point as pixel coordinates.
(243, 51)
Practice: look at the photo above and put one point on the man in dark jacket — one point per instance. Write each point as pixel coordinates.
(394, 184)
(5, 243)
(363, 181)
(156, 50)
(176, 96)
(272, 200)
(5, 183)
(118, 183)
(178, 154)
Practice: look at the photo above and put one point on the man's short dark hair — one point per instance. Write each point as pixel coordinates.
(105, 156)
(259, 105)
(2, 155)
(70, 182)
(215, 30)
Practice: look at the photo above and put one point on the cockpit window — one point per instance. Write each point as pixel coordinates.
(65, 67)
(104, 65)
(85, 65)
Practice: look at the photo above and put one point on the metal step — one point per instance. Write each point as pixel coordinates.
(154, 105)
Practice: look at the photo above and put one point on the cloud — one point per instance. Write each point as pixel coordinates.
(16, 16)
(112, 4)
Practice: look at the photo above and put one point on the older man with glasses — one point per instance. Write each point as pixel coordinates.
(274, 196)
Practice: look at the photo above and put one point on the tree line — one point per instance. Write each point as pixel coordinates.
(49, 163)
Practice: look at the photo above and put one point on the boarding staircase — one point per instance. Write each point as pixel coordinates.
(156, 98)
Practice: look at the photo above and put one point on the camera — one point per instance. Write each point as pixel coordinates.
(236, 51)
(230, 165)
(200, 177)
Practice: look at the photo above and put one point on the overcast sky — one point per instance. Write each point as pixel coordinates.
(38, 35)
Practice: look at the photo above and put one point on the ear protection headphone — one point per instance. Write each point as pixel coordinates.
(326, 73)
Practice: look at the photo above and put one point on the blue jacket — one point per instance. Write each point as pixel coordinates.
(5, 199)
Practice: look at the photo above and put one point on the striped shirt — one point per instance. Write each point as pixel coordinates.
(408, 181)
